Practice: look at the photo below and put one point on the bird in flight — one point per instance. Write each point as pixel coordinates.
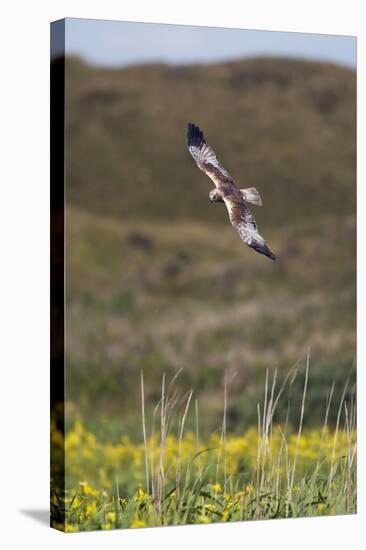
(226, 191)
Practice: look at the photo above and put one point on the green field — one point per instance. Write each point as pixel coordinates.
(174, 476)
(158, 281)
(188, 300)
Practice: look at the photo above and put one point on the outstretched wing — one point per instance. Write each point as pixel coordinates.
(240, 216)
(244, 222)
(205, 157)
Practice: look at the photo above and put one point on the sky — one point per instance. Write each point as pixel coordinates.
(118, 43)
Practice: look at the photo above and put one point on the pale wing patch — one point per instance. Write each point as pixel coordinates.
(204, 155)
(244, 222)
(249, 235)
(240, 213)
(254, 240)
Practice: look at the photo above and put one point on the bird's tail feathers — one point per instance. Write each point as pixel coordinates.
(251, 195)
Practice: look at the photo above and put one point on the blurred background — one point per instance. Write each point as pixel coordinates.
(157, 279)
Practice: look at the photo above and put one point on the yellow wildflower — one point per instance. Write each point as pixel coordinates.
(111, 516)
(141, 496)
(69, 528)
(137, 524)
(90, 509)
(203, 519)
(87, 490)
(76, 502)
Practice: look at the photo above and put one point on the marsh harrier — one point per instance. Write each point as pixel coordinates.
(226, 191)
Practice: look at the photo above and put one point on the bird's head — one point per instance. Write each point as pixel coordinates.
(215, 196)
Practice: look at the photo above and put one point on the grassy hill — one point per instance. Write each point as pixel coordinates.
(285, 126)
(156, 277)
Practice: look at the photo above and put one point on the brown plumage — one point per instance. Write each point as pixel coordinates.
(226, 191)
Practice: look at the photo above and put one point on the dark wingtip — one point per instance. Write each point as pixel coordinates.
(194, 135)
(263, 249)
(267, 252)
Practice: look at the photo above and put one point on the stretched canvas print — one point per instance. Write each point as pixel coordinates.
(203, 260)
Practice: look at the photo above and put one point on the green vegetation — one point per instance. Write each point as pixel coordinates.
(176, 477)
(159, 282)
(156, 277)
(196, 298)
(283, 125)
